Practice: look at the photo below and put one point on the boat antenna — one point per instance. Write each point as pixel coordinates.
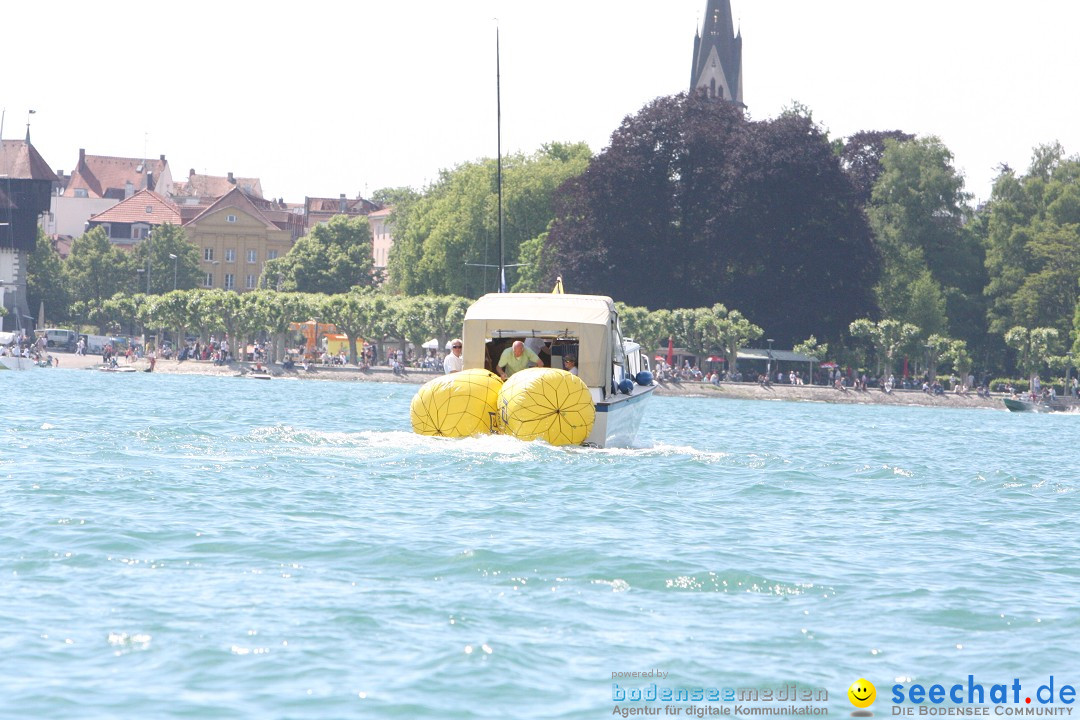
(498, 133)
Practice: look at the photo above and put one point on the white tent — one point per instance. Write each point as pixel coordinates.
(432, 344)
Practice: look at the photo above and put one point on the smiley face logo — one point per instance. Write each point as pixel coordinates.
(862, 693)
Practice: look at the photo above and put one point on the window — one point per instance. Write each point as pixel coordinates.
(250, 282)
(139, 232)
(149, 209)
(230, 218)
(208, 254)
(252, 254)
(208, 281)
(230, 281)
(107, 227)
(271, 254)
(81, 192)
(230, 255)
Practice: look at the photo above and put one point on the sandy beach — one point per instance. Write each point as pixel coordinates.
(739, 391)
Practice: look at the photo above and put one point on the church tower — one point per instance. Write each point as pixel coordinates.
(717, 68)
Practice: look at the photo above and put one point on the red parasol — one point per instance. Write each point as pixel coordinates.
(714, 358)
(670, 350)
(830, 365)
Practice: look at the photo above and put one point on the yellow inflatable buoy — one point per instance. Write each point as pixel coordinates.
(546, 404)
(457, 405)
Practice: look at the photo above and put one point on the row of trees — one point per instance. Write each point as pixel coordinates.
(380, 318)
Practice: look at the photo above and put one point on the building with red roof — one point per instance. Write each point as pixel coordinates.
(133, 219)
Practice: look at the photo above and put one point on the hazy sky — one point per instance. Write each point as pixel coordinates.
(325, 98)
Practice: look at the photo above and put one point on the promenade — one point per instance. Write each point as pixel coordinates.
(727, 390)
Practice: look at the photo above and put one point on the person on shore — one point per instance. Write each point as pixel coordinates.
(515, 359)
(453, 362)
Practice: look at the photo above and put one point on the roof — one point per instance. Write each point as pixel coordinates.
(332, 206)
(588, 318)
(782, 355)
(106, 176)
(145, 206)
(236, 198)
(549, 310)
(385, 212)
(216, 185)
(19, 160)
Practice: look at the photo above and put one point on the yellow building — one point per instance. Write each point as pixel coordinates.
(237, 234)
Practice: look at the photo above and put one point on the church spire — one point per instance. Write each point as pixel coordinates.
(717, 68)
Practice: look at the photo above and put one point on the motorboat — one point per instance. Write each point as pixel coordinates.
(584, 327)
(1017, 404)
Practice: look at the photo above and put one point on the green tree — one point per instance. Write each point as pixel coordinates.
(634, 323)
(956, 354)
(937, 346)
(172, 310)
(812, 348)
(396, 197)
(220, 310)
(447, 242)
(96, 269)
(333, 258)
(1032, 236)
(170, 258)
(917, 212)
(414, 320)
(1034, 347)
(45, 281)
(733, 331)
(361, 314)
(888, 337)
(926, 305)
(446, 316)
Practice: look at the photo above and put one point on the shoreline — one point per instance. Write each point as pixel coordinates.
(726, 390)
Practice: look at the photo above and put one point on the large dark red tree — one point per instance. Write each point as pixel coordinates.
(693, 204)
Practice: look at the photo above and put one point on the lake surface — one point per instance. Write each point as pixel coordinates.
(200, 547)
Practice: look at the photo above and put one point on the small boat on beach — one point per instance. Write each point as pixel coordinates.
(116, 369)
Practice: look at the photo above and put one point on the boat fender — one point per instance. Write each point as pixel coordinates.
(457, 405)
(644, 378)
(546, 404)
(626, 387)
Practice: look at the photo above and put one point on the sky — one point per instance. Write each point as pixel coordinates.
(318, 99)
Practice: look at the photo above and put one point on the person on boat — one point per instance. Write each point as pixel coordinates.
(453, 362)
(570, 364)
(515, 359)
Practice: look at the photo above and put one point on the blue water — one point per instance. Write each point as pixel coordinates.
(201, 547)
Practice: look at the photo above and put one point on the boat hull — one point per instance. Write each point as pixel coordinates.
(15, 362)
(618, 419)
(1031, 407)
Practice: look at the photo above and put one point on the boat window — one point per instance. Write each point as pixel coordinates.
(551, 352)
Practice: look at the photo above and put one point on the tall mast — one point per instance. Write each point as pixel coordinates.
(498, 132)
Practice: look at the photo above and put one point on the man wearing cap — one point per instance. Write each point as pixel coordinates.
(453, 362)
(515, 359)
